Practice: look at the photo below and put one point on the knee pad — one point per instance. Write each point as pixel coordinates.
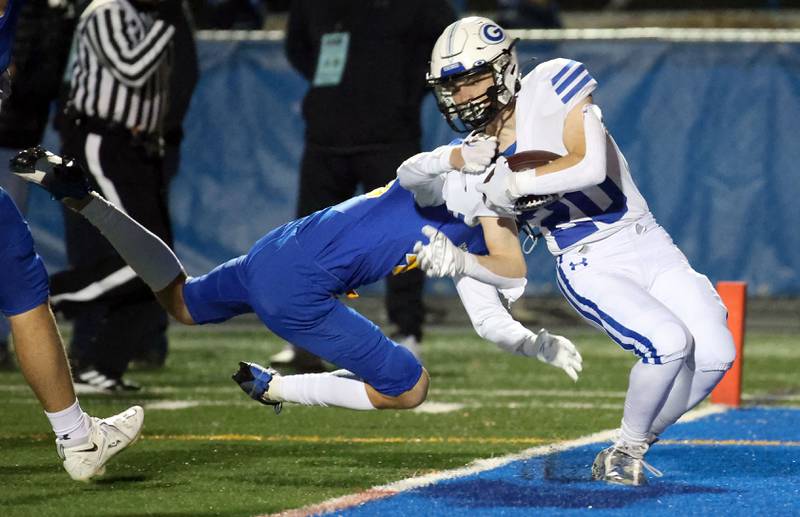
(671, 340)
(714, 349)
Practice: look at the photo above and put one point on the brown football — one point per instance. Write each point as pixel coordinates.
(525, 161)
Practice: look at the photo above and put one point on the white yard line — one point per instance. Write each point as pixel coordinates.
(476, 467)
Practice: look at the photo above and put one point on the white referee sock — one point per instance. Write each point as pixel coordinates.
(320, 389)
(690, 388)
(71, 425)
(144, 252)
(648, 388)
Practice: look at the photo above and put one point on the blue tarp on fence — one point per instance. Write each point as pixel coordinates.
(709, 129)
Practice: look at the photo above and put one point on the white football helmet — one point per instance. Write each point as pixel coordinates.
(472, 47)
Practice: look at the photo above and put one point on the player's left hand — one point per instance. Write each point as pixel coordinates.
(495, 189)
(556, 351)
(440, 257)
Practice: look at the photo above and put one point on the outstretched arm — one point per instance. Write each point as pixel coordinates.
(424, 175)
(506, 266)
(493, 322)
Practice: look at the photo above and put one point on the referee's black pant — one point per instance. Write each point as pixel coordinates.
(114, 312)
(330, 176)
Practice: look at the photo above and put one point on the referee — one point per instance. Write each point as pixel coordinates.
(112, 124)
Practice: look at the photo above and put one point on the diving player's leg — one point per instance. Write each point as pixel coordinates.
(146, 253)
(384, 374)
(694, 300)
(151, 259)
(298, 305)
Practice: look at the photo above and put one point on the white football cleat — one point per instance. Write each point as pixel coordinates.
(107, 437)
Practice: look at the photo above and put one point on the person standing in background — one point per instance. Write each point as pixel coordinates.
(41, 47)
(113, 126)
(364, 62)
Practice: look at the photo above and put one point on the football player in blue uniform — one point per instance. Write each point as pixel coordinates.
(84, 443)
(292, 278)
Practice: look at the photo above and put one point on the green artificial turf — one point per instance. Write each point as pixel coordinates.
(227, 455)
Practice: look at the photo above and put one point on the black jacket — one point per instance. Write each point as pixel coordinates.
(383, 84)
(41, 49)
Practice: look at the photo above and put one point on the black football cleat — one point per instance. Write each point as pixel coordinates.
(61, 177)
(254, 380)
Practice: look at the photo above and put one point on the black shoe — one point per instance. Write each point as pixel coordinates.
(254, 380)
(92, 381)
(61, 177)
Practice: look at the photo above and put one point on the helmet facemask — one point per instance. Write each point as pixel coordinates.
(478, 112)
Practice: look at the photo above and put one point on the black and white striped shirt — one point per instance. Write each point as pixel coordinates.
(121, 65)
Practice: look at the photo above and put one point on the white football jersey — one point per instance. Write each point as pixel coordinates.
(548, 94)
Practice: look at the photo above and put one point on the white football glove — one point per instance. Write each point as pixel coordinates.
(440, 257)
(496, 191)
(478, 150)
(556, 351)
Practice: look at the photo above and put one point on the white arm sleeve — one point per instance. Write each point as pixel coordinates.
(423, 175)
(512, 288)
(489, 318)
(590, 171)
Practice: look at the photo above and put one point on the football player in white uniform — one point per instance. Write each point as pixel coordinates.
(614, 264)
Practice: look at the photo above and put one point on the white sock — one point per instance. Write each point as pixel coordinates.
(690, 388)
(143, 251)
(71, 425)
(320, 389)
(648, 388)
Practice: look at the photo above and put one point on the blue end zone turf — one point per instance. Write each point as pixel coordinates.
(754, 469)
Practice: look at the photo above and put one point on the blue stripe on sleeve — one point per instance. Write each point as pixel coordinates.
(569, 80)
(562, 72)
(565, 99)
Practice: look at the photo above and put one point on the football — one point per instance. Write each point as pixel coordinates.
(525, 161)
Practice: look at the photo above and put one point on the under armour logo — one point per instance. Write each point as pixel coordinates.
(583, 262)
(463, 246)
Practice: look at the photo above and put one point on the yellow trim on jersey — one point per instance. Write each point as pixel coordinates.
(378, 192)
(411, 263)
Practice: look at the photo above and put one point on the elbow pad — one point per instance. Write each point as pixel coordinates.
(590, 171)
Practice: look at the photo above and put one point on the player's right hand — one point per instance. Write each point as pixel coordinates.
(440, 257)
(478, 150)
(556, 351)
